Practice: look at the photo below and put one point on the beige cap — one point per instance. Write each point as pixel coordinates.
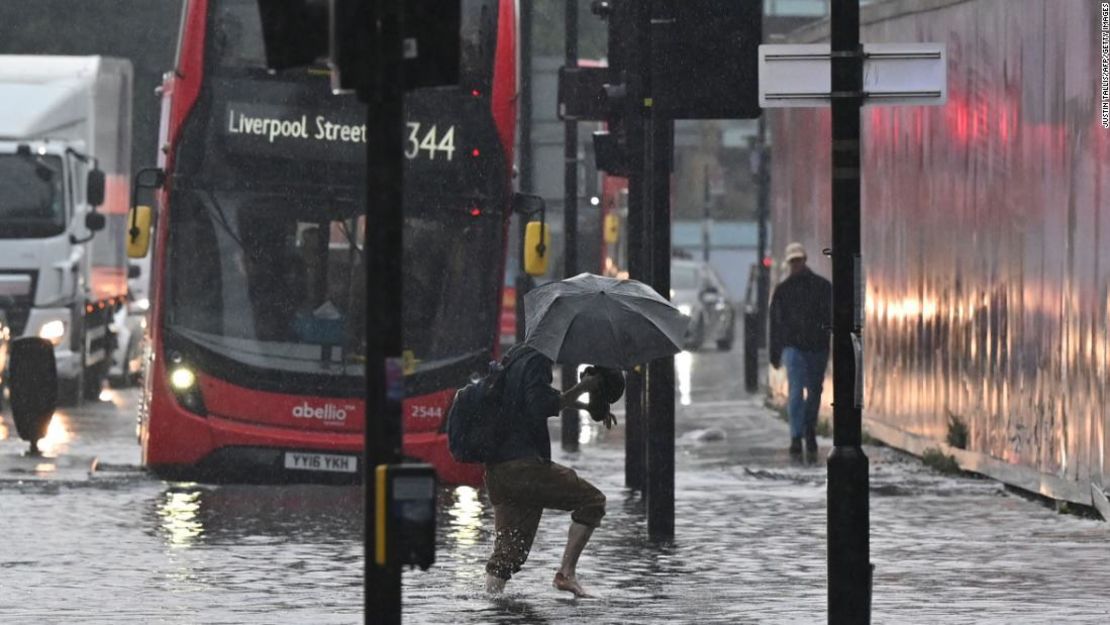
(795, 250)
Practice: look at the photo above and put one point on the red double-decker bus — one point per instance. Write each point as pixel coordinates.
(258, 318)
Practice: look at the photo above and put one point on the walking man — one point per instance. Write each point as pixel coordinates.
(522, 480)
(801, 314)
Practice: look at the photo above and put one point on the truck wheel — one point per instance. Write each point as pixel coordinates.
(70, 392)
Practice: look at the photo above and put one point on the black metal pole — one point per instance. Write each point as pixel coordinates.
(763, 175)
(848, 505)
(660, 380)
(385, 164)
(660, 425)
(523, 281)
(570, 217)
(635, 459)
(706, 218)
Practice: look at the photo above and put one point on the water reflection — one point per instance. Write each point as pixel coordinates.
(464, 521)
(194, 515)
(588, 429)
(112, 396)
(179, 511)
(466, 517)
(683, 370)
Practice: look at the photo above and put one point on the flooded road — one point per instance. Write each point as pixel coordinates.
(117, 546)
(135, 550)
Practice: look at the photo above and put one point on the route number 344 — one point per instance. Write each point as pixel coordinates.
(429, 142)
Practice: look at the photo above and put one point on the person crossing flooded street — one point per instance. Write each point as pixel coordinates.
(522, 480)
(588, 319)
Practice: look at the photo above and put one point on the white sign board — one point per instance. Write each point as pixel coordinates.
(893, 73)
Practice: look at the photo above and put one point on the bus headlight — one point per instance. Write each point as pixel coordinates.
(183, 383)
(183, 378)
(53, 331)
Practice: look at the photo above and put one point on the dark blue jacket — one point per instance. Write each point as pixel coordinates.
(529, 401)
(801, 314)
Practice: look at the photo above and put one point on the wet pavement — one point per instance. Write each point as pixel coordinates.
(113, 545)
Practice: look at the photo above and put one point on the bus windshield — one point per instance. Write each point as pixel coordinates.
(272, 280)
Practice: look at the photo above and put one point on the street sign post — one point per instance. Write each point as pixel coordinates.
(846, 75)
(794, 75)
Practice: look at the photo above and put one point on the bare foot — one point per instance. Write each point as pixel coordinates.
(494, 585)
(569, 584)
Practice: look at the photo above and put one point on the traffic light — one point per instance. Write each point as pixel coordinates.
(602, 94)
(705, 59)
(431, 44)
(611, 147)
(598, 94)
(339, 32)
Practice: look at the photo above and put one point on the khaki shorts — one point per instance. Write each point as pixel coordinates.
(519, 491)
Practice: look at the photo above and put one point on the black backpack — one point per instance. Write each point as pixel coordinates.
(476, 422)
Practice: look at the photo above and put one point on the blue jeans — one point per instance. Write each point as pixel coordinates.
(805, 375)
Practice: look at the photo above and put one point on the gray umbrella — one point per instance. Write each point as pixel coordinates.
(602, 321)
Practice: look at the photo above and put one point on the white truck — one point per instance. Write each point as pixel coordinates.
(65, 160)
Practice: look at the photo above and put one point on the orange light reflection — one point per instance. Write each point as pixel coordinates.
(58, 435)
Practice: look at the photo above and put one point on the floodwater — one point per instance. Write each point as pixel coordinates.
(116, 546)
(750, 548)
(136, 550)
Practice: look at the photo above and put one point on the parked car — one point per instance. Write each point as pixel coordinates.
(698, 292)
(129, 325)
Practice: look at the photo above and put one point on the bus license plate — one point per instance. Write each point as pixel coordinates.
(320, 462)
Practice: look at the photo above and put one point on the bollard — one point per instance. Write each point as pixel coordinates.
(33, 384)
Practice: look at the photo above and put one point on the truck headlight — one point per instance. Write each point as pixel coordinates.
(53, 331)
